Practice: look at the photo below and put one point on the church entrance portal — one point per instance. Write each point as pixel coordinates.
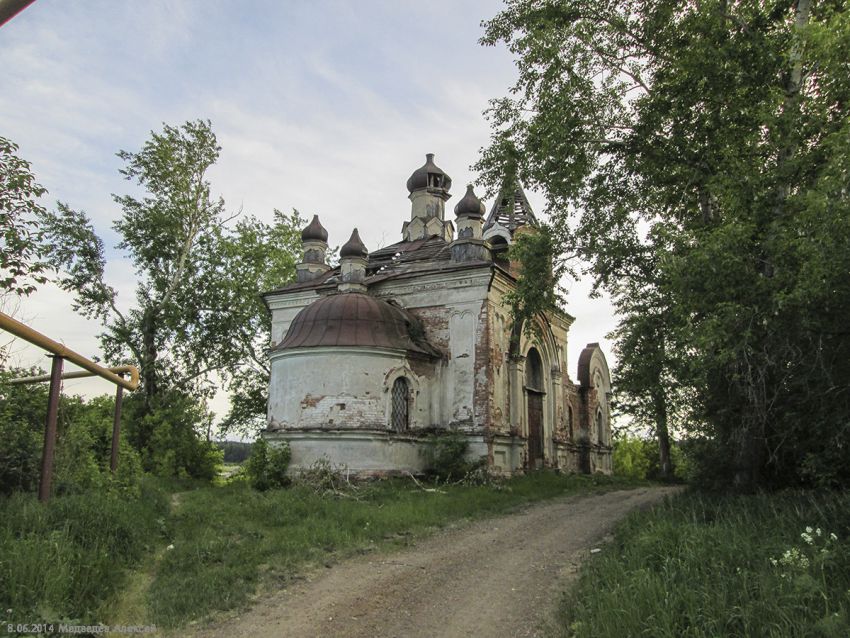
(534, 392)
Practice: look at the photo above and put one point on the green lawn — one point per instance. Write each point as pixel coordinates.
(713, 565)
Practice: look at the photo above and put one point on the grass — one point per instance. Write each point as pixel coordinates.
(182, 551)
(65, 560)
(230, 542)
(703, 565)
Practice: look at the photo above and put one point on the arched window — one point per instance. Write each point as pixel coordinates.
(570, 420)
(534, 371)
(600, 426)
(400, 416)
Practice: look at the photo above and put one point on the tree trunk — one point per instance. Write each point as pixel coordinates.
(150, 385)
(663, 435)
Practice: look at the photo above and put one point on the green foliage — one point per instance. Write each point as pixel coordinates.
(83, 444)
(639, 458)
(721, 565)
(267, 466)
(64, 560)
(167, 437)
(198, 310)
(22, 415)
(20, 250)
(537, 290)
(446, 457)
(701, 148)
(630, 457)
(234, 451)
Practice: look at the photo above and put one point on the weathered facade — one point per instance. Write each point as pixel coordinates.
(371, 356)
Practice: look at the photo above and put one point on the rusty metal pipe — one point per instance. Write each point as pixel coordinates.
(50, 430)
(23, 331)
(116, 429)
(80, 374)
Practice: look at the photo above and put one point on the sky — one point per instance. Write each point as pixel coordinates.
(326, 107)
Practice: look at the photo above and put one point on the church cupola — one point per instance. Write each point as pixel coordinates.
(353, 258)
(470, 214)
(469, 245)
(429, 191)
(314, 243)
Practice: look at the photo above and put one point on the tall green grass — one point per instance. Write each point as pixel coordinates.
(714, 565)
(65, 559)
(229, 541)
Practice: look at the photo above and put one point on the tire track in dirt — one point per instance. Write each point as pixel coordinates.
(496, 577)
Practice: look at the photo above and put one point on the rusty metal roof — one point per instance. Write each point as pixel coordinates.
(356, 319)
(402, 259)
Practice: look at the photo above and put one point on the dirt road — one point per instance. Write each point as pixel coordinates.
(500, 577)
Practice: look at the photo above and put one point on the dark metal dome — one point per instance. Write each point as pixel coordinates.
(429, 175)
(314, 231)
(356, 319)
(353, 247)
(470, 205)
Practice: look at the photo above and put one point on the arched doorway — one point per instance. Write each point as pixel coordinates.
(534, 389)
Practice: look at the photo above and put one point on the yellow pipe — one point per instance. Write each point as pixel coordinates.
(119, 370)
(23, 331)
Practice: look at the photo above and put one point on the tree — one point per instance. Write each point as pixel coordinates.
(197, 310)
(21, 266)
(230, 321)
(722, 128)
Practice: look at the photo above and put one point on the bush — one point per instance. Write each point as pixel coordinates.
(83, 442)
(446, 457)
(267, 466)
(22, 412)
(166, 434)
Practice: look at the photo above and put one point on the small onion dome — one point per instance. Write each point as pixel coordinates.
(429, 175)
(353, 247)
(470, 205)
(315, 231)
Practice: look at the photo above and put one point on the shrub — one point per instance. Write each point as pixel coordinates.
(446, 457)
(267, 466)
(22, 413)
(166, 434)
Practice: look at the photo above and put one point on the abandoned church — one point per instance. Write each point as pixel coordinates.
(371, 357)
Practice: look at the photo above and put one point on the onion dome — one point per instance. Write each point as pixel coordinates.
(353, 247)
(315, 231)
(356, 319)
(429, 175)
(470, 205)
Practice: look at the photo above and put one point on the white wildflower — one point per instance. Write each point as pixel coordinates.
(833, 537)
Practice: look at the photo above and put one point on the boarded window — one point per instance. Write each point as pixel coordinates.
(400, 413)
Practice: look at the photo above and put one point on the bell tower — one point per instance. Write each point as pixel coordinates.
(429, 191)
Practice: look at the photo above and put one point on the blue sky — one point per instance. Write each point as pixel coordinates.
(326, 107)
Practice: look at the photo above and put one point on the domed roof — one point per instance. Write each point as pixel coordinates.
(420, 178)
(470, 205)
(314, 231)
(356, 319)
(353, 247)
